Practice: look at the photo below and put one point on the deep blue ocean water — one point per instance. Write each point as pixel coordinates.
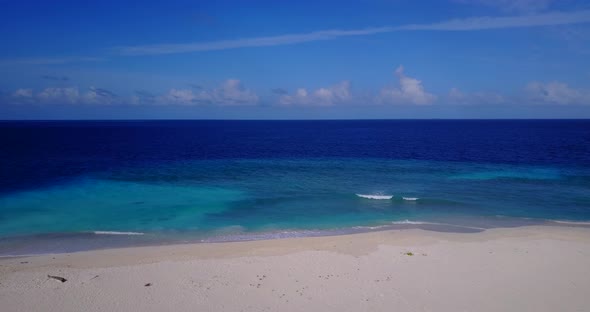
(71, 185)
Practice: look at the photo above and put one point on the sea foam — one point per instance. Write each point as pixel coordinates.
(414, 222)
(375, 196)
(116, 233)
(437, 223)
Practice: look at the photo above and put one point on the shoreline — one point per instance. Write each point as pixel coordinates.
(542, 268)
(89, 241)
(401, 234)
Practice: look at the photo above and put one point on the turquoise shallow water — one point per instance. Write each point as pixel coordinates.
(215, 198)
(93, 205)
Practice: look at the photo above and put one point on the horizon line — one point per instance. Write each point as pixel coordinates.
(291, 119)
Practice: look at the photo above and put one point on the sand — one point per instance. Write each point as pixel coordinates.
(541, 268)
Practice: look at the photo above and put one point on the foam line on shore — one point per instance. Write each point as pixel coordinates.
(571, 222)
(437, 223)
(117, 233)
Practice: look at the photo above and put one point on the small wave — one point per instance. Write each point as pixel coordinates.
(377, 227)
(116, 233)
(17, 256)
(413, 222)
(410, 198)
(375, 196)
(437, 223)
(571, 222)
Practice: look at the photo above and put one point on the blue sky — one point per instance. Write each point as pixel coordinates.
(295, 59)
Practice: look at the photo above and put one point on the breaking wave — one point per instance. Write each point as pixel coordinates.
(369, 196)
(116, 233)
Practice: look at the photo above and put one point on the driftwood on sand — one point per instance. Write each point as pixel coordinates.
(59, 278)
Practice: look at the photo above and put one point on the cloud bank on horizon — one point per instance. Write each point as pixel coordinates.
(407, 91)
(521, 53)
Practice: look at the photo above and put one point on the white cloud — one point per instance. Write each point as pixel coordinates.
(231, 92)
(556, 92)
(512, 5)
(66, 95)
(178, 96)
(410, 91)
(59, 95)
(71, 95)
(99, 96)
(336, 94)
(247, 42)
(23, 93)
(455, 96)
(465, 24)
(486, 22)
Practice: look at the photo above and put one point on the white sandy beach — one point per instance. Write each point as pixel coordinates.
(520, 269)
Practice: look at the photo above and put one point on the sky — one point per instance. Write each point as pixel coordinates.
(294, 59)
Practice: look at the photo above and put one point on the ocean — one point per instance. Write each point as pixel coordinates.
(77, 185)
